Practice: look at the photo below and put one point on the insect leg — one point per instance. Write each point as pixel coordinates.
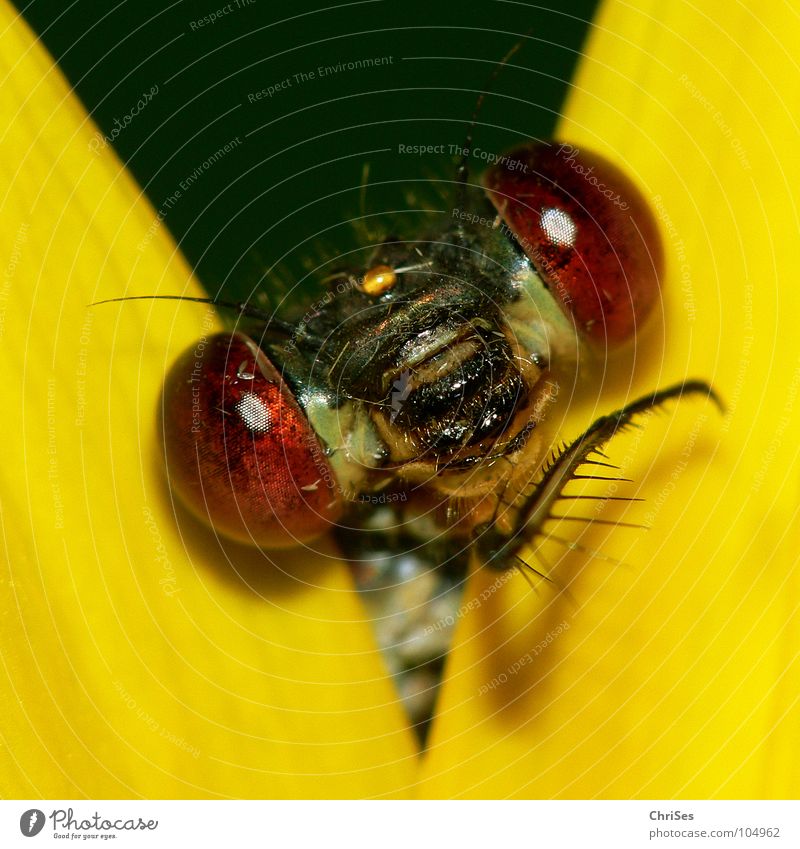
(499, 550)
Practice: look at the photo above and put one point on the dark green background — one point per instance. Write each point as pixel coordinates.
(263, 203)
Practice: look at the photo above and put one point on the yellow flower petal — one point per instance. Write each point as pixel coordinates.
(137, 659)
(678, 678)
(142, 657)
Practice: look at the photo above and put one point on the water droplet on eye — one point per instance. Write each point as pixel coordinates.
(243, 374)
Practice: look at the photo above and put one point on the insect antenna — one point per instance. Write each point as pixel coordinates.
(243, 308)
(363, 224)
(462, 173)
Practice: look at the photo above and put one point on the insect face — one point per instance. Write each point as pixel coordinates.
(430, 376)
(437, 361)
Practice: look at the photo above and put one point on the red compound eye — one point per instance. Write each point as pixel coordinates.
(588, 231)
(240, 452)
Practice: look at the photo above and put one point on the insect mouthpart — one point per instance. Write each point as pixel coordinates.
(454, 388)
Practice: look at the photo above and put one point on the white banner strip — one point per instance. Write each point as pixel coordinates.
(402, 825)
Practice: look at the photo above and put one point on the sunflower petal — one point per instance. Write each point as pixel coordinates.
(679, 677)
(141, 656)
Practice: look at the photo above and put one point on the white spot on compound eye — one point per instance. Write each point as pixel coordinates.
(312, 487)
(254, 413)
(559, 227)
